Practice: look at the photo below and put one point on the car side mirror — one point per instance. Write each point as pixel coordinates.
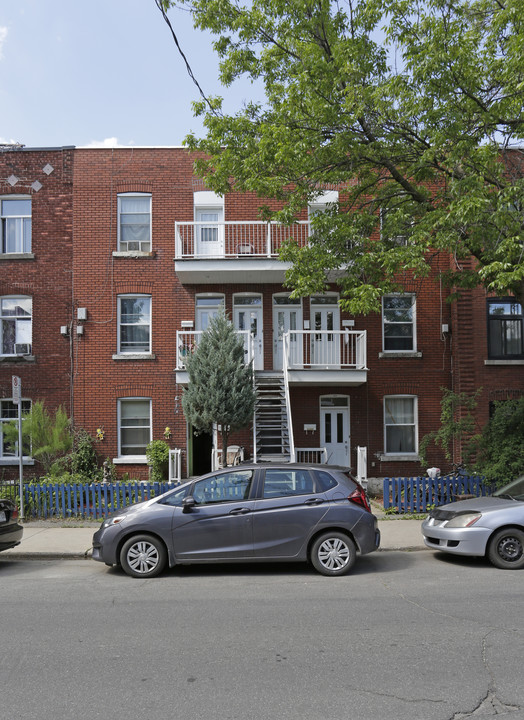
(188, 503)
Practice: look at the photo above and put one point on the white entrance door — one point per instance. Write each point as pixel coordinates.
(287, 316)
(325, 344)
(207, 308)
(210, 232)
(334, 429)
(247, 316)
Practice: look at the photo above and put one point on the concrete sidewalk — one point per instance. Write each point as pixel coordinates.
(43, 540)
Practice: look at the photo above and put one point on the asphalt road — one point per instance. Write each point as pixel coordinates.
(408, 635)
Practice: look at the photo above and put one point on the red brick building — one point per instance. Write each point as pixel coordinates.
(141, 255)
(36, 236)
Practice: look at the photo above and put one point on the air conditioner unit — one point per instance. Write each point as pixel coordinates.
(22, 349)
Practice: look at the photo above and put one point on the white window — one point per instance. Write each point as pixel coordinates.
(9, 414)
(400, 425)
(398, 316)
(16, 323)
(134, 222)
(134, 419)
(16, 225)
(134, 324)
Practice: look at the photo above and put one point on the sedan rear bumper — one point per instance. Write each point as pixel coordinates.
(11, 536)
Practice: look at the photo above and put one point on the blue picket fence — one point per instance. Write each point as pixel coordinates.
(419, 494)
(93, 500)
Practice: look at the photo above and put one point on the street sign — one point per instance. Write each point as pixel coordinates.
(17, 389)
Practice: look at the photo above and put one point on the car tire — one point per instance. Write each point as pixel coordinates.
(143, 556)
(506, 549)
(333, 553)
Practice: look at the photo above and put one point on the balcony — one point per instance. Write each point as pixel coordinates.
(230, 251)
(308, 356)
(325, 357)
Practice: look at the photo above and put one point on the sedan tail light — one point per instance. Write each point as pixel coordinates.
(358, 496)
(14, 513)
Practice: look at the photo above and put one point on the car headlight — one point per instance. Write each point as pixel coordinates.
(115, 520)
(463, 520)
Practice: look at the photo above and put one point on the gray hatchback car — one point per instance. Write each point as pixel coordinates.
(246, 513)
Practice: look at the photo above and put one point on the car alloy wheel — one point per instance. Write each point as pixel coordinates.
(506, 549)
(143, 556)
(333, 553)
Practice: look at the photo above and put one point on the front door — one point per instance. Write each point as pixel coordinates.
(210, 232)
(287, 317)
(325, 338)
(334, 429)
(207, 307)
(247, 317)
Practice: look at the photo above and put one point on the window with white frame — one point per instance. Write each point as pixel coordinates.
(398, 321)
(400, 425)
(134, 432)
(16, 225)
(9, 440)
(134, 324)
(16, 325)
(134, 222)
(505, 329)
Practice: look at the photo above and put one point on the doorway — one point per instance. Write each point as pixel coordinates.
(247, 316)
(200, 446)
(325, 324)
(334, 428)
(287, 317)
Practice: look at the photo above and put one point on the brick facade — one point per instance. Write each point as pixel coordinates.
(78, 271)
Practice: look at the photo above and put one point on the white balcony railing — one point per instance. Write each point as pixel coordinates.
(187, 341)
(325, 349)
(229, 239)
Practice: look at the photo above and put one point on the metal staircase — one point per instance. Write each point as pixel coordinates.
(271, 422)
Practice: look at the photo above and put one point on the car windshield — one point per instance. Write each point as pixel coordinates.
(514, 491)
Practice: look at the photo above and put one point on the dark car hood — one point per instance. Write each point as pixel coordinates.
(480, 504)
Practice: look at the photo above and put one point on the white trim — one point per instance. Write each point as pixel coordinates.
(413, 349)
(401, 455)
(122, 459)
(123, 353)
(207, 198)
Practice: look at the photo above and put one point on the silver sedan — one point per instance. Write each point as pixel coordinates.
(485, 526)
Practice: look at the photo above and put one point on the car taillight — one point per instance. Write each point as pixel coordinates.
(14, 513)
(358, 496)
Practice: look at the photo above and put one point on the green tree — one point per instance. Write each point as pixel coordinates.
(458, 427)
(501, 445)
(220, 389)
(413, 107)
(47, 437)
(157, 454)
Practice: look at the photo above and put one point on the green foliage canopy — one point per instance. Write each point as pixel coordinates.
(501, 456)
(413, 107)
(44, 436)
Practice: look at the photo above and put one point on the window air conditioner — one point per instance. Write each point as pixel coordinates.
(22, 349)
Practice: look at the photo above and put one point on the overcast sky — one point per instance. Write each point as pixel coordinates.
(101, 72)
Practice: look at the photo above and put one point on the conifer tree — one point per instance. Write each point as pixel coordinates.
(220, 389)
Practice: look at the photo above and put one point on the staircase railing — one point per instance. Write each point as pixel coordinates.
(288, 399)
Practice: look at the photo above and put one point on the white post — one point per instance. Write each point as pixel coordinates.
(17, 399)
(362, 465)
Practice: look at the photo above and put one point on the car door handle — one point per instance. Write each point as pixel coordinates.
(239, 511)
(314, 501)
